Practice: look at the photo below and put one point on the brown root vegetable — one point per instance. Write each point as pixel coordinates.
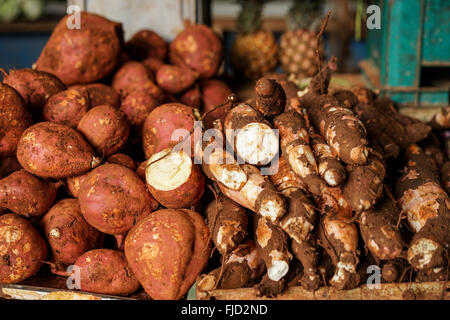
(68, 233)
(67, 107)
(290, 90)
(74, 184)
(228, 222)
(113, 198)
(364, 185)
(253, 139)
(82, 55)
(123, 160)
(134, 76)
(9, 165)
(174, 79)
(445, 176)
(137, 106)
(35, 87)
(329, 167)
(14, 119)
(166, 251)
(192, 97)
(166, 126)
(241, 268)
(145, 44)
(21, 249)
(198, 48)
(52, 150)
(273, 245)
(270, 288)
(441, 120)
(105, 128)
(270, 97)
(153, 64)
(378, 227)
(213, 93)
(106, 271)
(418, 191)
(258, 195)
(174, 180)
(27, 195)
(100, 94)
(296, 149)
(298, 222)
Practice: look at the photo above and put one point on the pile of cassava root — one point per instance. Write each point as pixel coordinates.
(100, 169)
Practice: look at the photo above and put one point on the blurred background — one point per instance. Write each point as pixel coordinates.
(408, 58)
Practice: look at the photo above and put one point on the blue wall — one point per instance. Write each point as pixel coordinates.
(21, 50)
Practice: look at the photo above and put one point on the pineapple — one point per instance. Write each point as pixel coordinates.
(298, 44)
(254, 53)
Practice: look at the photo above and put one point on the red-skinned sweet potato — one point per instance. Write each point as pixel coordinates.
(21, 249)
(68, 233)
(53, 150)
(105, 128)
(106, 271)
(134, 76)
(112, 198)
(174, 181)
(167, 251)
(137, 106)
(160, 126)
(74, 183)
(35, 87)
(192, 97)
(82, 55)
(27, 195)
(174, 79)
(8, 166)
(153, 64)
(199, 48)
(123, 160)
(67, 107)
(214, 92)
(145, 44)
(14, 119)
(100, 94)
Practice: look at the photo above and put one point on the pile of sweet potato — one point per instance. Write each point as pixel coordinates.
(108, 173)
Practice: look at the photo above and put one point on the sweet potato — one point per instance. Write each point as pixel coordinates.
(145, 44)
(199, 48)
(105, 128)
(228, 222)
(8, 166)
(162, 123)
(106, 271)
(74, 184)
(242, 268)
(68, 233)
(137, 106)
(113, 198)
(134, 76)
(253, 138)
(123, 160)
(14, 119)
(174, 79)
(52, 150)
(82, 55)
(153, 64)
(174, 180)
(35, 87)
(213, 93)
(27, 195)
(100, 94)
(67, 107)
(192, 97)
(167, 250)
(21, 249)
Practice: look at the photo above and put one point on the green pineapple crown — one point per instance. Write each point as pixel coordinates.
(249, 19)
(304, 14)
